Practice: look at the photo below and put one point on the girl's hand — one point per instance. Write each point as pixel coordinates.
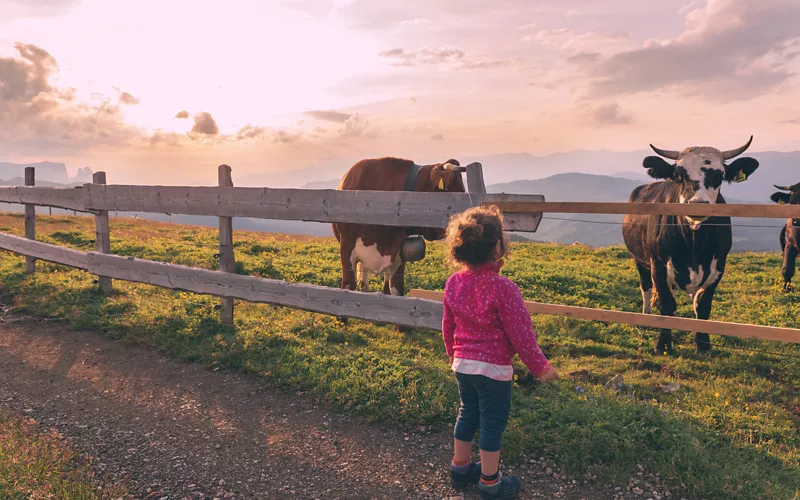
(549, 375)
(451, 360)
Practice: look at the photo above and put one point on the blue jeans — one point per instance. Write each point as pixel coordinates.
(485, 405)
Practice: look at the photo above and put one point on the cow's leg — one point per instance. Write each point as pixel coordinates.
(348, 273)
(394, 283)
(667, 306)
(646, 286)
(363, 277)
(702, 310)
(789, 262)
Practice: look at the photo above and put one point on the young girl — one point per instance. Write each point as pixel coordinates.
(485, 323)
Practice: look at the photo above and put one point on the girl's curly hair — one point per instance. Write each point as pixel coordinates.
(472, 237)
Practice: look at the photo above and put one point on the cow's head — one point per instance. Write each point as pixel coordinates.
(790, 198)
(437, 178)
(699, 172)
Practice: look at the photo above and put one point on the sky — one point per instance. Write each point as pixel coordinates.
(163, 91)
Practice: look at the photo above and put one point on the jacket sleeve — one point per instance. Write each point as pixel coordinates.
(518, 326)
(448, 325)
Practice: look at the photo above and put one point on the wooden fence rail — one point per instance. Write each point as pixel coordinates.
(385, 208)
(422, 309)
(68, 199)
(389, 208)
(773, 211)
(407, 311)
(650, 320)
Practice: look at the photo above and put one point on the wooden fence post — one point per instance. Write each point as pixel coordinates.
(30, 219)
(102, 234)
(475, 184)
(227, 261)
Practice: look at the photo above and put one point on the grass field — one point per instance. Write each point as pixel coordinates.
(730, 431)
(36, 465)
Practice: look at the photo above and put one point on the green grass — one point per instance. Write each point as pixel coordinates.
(35, 465)
(731, 431)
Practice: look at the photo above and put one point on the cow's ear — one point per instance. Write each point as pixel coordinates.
(657, 168)
(452, 162)
(740, 169)
(780, 198)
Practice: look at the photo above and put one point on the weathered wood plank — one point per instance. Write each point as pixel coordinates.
(30, 220)
(475, 182)
(405, 311)
(765, 211)
(227, 261)
(43, 251)
(102, 235)
(388, 208)
(69, 199)
(650, 320)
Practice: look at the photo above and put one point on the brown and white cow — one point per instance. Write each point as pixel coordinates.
(790, 234)
(376, 249)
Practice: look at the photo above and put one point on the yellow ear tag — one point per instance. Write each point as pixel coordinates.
(740, 177)
(441, 184)
(781, 202)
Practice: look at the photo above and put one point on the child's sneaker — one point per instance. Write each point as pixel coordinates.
(506, 488)
(464, 475)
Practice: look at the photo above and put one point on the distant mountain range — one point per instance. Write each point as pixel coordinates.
(13, 174)
(750, 234)
(573, 176)
(502, 169)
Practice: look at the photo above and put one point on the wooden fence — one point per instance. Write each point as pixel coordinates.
(423, 309)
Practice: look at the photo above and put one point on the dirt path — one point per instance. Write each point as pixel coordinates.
(173, 430)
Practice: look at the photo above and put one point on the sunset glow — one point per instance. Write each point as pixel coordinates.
(284, 85)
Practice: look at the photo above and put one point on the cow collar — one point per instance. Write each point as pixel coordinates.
(412, 177)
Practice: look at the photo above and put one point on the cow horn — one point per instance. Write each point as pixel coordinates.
(455, 168)
(783, 188)
(672, 155)
(733, 153)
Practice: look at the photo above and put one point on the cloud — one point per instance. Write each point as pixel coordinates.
(437, 137)
(795, 121)
(182, 115)
(422, 57)
(729, 50)
(329, 116)
(606, 113)
(204, 124)
(355, 126)
(250, 132)
(161, 137)
(284, 137)
(34, 8)
(572, 42)
(37, 117)
(126, 98)
(443, 56)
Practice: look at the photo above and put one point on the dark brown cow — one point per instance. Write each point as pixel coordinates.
(376, 249)
(790, 234)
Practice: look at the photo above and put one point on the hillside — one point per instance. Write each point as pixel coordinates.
(730, 430)
(750, 234)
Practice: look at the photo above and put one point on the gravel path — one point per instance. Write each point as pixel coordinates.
(171, 430)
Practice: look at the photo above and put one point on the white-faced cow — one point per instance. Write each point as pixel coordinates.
(790, 234)
(377, 249)
(683, 253)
